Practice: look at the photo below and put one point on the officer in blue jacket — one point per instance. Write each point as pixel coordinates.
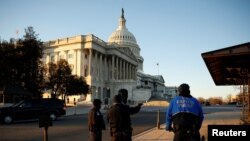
(186, 116)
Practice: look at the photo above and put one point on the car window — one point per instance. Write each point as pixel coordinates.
(26, 104)
(17, 104)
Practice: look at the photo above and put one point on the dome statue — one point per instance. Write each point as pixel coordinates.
(121, 35)
(125, 38)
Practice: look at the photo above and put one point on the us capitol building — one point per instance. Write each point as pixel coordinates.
(109, 68)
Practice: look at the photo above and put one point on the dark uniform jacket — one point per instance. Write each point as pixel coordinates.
(95, 120)
(115, 117)
(127, 112)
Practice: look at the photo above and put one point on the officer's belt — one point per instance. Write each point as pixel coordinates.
(178, 127)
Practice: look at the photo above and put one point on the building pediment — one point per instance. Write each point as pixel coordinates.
(127, 51)
(124, 51)
(159, 77)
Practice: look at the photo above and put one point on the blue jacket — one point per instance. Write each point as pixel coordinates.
(182, 104)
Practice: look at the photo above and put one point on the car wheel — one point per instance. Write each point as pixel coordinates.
(53, 116)
(7, 119)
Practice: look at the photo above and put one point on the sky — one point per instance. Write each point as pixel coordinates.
(172, 33)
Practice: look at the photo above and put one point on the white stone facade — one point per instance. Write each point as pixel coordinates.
(108, 67)
(170, 92)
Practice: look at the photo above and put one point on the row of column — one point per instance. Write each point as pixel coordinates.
(75, 60)
(107, 67)
(55, 57)
(100, 66)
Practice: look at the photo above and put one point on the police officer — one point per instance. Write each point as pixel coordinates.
(115, 117)
(95, 121)
(186, 115)
(127, 112)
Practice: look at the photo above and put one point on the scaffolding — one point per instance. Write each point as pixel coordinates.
(245, 100)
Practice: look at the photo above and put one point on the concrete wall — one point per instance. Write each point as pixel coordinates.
(141, 95)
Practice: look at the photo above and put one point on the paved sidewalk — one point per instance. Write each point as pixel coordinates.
(154, 134)
(221, 118)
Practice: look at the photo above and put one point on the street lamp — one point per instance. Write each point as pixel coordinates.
(96, 93)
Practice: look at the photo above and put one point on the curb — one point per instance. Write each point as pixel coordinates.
(147, 131)
(142, 133)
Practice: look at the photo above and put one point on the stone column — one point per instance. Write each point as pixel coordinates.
(105, 68)
(101, 71)
(123, 69)
(131, 71)
(113, 68)
(79, 67)
(75, 66)
(66, 55)
(117, 68)
(90, 62)
(126, 73)
(47, 58)
(120, 69)
(95, 67)
(56, 57)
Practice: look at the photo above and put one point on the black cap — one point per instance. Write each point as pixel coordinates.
(184, 90)
(184, 86)
(97, 102)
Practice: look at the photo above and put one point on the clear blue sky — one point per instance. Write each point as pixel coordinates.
(172, 33)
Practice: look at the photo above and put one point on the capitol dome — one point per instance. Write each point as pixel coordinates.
(124, 38)
(121, 35)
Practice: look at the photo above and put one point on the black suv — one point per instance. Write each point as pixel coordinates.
(33, 109)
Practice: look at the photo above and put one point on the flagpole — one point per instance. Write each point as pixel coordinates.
(157, 67)
(17, 32)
